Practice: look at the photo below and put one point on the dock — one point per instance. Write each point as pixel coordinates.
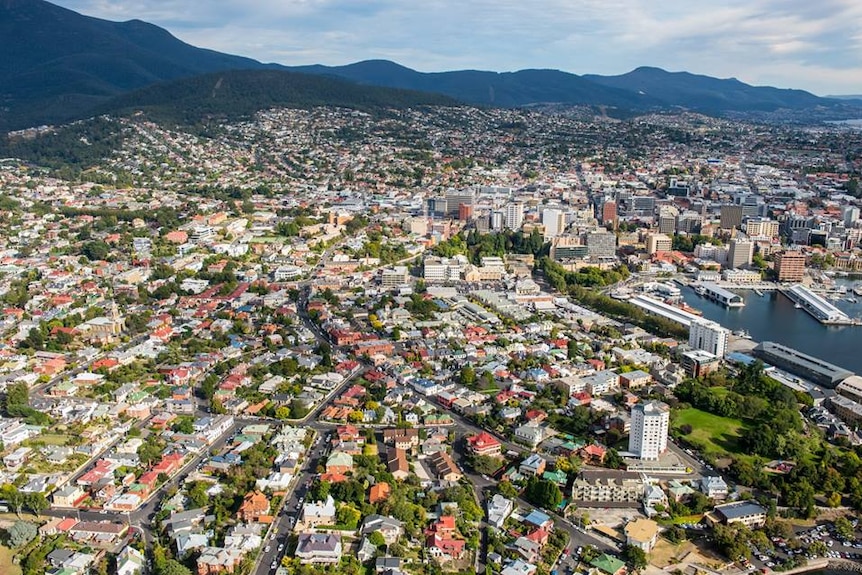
(817, 306)
(720, 295)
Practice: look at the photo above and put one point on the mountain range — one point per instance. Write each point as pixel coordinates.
(59, 65)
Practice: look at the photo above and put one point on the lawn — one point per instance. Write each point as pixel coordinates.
(6, 565)
(52, 439)
(713, 435)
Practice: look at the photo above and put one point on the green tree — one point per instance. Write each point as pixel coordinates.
(377, 539)
(635, 557)
(36, 502)
(172, 567)
(543, 493)
(21, 533)
(844, 528)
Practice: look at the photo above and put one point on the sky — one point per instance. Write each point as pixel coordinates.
(815, 45)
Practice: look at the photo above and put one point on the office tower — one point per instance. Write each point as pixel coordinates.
(601, 244)
(658, 243)
(514, 215)
(454, 199)
(465, 212)
(708, 336)
(731, 216)
(650, 421)
(609, 213)
(851, 214)
(740, 253)
(790, 266)
(554, 221)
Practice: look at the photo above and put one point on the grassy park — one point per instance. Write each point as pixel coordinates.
(713, 435)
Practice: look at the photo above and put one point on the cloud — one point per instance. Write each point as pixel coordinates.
(790, 43)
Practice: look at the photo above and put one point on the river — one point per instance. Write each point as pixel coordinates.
(773, 317)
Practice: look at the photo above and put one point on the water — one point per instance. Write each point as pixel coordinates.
(773, 317)
(855, 124)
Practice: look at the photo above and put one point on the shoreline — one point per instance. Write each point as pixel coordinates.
(823, 564)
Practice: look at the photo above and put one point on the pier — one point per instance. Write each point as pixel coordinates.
(817, 306)
(720, 295)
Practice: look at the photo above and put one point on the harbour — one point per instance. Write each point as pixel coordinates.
(774, 317)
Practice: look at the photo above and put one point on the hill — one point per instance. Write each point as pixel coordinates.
(507, 89)
(239, 94)
(57, 64)
(707, 94)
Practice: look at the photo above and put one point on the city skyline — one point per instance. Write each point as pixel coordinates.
(766, 42)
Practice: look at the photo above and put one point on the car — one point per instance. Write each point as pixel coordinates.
(266, 549)
(274, 566)
(281, 547)
(103, 512)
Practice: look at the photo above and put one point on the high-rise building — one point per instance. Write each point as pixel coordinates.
(554, 221)
(601, 244)
(455, 198)
(851, 214)
(667, 221)
(731, 216)
(708, 336)
(740, 253)
(649, 428)
(658, 243)
(790, 266)
(609, 213)
(465, 212)
(761, 227)
(514, 215)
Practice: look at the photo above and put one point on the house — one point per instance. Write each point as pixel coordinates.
(499, 509)
(593, 454)
(484, 444)
(641, 533)
(319, 548)
(389, 527)
(534, 465)
(396, 463)
(379, 492)
(319, 513)
(529, 550)
(529, 434)
(539, 519)
(217, 560)
(339, 462)
(130, 561)
(406, 439)
(441, 541)
(714, 487)
(635, 379)
(608, 564)
(519, 567)
(444, 468)
(255, 507)
(68, 496)
(679, 491)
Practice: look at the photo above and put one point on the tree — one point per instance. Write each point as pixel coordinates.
(217, 407)
(21, 533)
(348, 516)
(17, 394)
(172, 567)
(36, 502)
(635, 557)
(484, 464)
(468, 376)
(198, 494)
(571, 349)
(377, 539)
(95, 250)
(543, 493)
(818, 547)
(844, 529)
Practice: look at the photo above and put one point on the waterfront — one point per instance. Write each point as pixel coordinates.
(773, 317)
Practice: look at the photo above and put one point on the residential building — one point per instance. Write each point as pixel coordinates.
(641, 533)
(649, 429)
(499, 509)
(514, 215)
(319, 513)
(319, 548)
(749, 513)
(602, 486)
(444, 468)
(658, 243)
(708, 336)
(740, 253)
(790, 266)
(484, 444)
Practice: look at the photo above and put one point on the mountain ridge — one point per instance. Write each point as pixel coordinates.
(60, 65)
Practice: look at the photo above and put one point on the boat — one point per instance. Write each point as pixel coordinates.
(858, 290)
(742, 333)
(700, 290)
(758, 292)
(797, 305)
(851, 299)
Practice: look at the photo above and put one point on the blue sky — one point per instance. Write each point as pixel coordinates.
(815, 45)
